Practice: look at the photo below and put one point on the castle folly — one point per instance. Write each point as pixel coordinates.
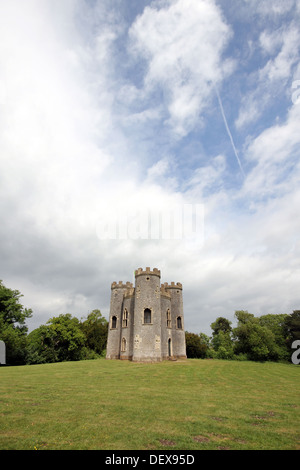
(146, 321)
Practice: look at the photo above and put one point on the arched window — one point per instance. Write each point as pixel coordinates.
(123, 345)
(125, 319)
(179, 323)
(114, 322)
(147, 315)
(168, 318)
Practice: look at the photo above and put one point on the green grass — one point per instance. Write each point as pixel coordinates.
(193, 404)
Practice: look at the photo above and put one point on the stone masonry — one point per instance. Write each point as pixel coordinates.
(146, 320)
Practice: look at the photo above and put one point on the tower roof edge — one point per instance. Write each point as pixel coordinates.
(140, 271)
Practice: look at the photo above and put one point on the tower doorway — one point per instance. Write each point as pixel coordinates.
(169, 347)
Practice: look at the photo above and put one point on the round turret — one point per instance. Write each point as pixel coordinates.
(178, 334)
(115, 318)
(147, 316)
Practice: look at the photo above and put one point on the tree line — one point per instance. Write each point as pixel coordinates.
(62, 338)
(66, 338)
(264, 338)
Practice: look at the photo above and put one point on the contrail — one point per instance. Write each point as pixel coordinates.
(228, 132)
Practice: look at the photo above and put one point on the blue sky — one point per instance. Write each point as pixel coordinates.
(110, 106)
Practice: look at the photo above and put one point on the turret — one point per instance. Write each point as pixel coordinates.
(147, 316)
(116, 304)
(178, 334)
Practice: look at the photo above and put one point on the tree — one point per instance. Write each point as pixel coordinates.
(195, 346)
(67, 337)
(221, 340)
(223, 345)
(253, 339)
(61, 339)
(204, 339)
(243, 316)
(292, 325)
(13, 329)
(41, 346)
(95, 329)
(221, 324)
(277, 324)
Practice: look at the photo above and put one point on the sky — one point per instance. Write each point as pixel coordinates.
(127, 113)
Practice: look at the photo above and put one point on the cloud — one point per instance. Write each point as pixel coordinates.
(280, 66)
(272, 7)
(182, 44)
(275, 153)
(271, 79)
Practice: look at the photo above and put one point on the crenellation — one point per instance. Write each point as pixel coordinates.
(178, 285)
(140, 271)
(121, 285)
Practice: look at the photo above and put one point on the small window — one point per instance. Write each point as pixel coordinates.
(147, 278)
(125, 319)
(123, 345)
(147, 315)
(114, 322)
(179, 323)
(168, 318)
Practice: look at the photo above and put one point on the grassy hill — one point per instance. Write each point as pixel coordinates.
(193, 404)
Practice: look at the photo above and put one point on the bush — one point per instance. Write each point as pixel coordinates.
(224, 353)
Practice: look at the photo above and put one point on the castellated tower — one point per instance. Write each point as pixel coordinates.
(146, 321)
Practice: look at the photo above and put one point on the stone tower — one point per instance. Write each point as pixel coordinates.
(146, 321)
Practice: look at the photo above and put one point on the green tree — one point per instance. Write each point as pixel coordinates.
(205, 339)
(195, 346)
(95, 329)
(223, 345)
(277, 324)
(292, 325)
(67, 337)
(61, 339)
(221, 324)
(13, 329)
(253, 339)
(41, 346)
(221, 339)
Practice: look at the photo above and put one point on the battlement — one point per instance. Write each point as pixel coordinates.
(178, 285)
(155, 272)
(164, 292)
(120, 285)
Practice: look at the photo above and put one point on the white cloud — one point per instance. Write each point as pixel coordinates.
(270, 41)
(273, 77)
(280, 67)
(207, 178)
(182, 43)
(273, 7)
(275, 153)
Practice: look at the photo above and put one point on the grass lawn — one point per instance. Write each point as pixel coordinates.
(193, 404)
